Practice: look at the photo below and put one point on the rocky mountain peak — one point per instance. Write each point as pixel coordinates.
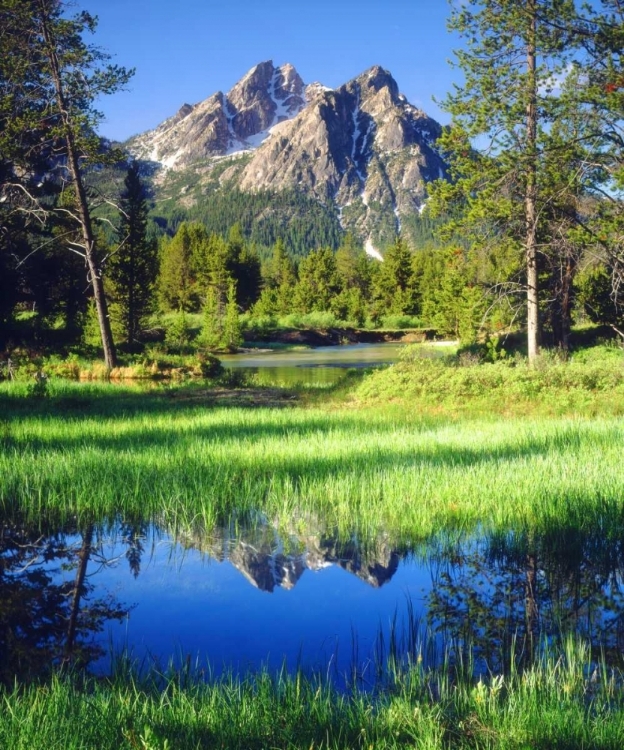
(265, 96)
(362, 143)
(184, 110)
(362, 146)
(314, 90)
(376, 79)
(224, 124)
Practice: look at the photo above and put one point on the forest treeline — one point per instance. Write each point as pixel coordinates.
(528, 230)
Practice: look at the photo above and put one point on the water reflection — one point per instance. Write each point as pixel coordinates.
(269, 560)
(49, 609)
(504, 597)
(315, 601)
(320, 367)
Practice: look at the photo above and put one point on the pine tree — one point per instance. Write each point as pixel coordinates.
(177, 278)
(394, 281)
(212, 331)
(318, 282)
(135, 264)
(232, 335)
(50, 81)
(514, 54)
(600, 31)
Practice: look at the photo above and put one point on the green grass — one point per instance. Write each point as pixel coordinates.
(493, 447)
(100, 452)
(591, 383)
(562, 701)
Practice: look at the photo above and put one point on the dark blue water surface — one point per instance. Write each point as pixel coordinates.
(243, 599)
(240, 604)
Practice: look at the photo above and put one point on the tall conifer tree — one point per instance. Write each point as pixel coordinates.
(50, 79)
(515, 53)
(135, 264)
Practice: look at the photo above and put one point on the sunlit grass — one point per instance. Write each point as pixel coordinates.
(590, 383)
(118, 453)
(563, 700)
(408, 470)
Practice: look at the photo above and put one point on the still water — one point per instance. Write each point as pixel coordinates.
(239, 600)
(322, 366)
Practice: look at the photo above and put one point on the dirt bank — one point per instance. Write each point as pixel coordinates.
(335, 336)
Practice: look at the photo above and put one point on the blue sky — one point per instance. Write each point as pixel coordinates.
(184, 51)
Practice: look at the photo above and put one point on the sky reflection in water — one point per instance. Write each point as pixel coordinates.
(251, 599)
(243, 603)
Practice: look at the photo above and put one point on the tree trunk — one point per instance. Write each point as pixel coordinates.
(81, 572)
(562, 315)
(95, 274)
(531, 189)
(531, 608)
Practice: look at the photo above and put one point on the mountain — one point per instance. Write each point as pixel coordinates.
(269, 561)
(362, 149)
(224, 123)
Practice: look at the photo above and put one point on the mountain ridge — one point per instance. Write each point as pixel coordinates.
(361, 147)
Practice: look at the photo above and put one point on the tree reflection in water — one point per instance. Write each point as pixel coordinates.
(500, 600)
(494, 600)
(47, 619)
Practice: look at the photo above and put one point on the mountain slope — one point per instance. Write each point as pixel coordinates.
(224, 124)
(361, 148)
(363, 145)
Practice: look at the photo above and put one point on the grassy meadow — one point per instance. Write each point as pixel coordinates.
(409, 451)
(556, 703)
(97, 452)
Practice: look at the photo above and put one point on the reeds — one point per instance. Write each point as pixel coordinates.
(109, 451)
(563, 700)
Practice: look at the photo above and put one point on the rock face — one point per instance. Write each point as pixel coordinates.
(224, 123)
(362, 146)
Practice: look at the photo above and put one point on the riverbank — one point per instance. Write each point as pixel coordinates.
(589, 382)
(563, 700)
(337, 336)
(400, 454)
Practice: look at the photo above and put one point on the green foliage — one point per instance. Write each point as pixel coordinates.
(178, 333)
(51, 78)
(232, 334)
(508, 191)
(264, 216)
(91, 334)
(563, 699)
(212, 330)
(598, 298)
(318, 282)
(394, 282)
(485, 380)
(134, 265)
(221, 326)
(38, 389)
(176, 280)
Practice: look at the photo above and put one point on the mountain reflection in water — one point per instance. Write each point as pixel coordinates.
(67, 597)
(268, 562)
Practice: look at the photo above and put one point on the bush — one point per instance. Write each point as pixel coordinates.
(178, 334)
(400, 321)
(466, 381)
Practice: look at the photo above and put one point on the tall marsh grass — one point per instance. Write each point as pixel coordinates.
(108, 451)
(590, 383)
(564, 700)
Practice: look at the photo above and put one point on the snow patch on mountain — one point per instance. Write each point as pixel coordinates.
(372, 250)
(398, 218)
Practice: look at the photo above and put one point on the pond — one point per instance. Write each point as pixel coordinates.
(322, 366)
(237, 600)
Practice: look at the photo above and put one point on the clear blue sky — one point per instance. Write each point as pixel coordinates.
(186, 50)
